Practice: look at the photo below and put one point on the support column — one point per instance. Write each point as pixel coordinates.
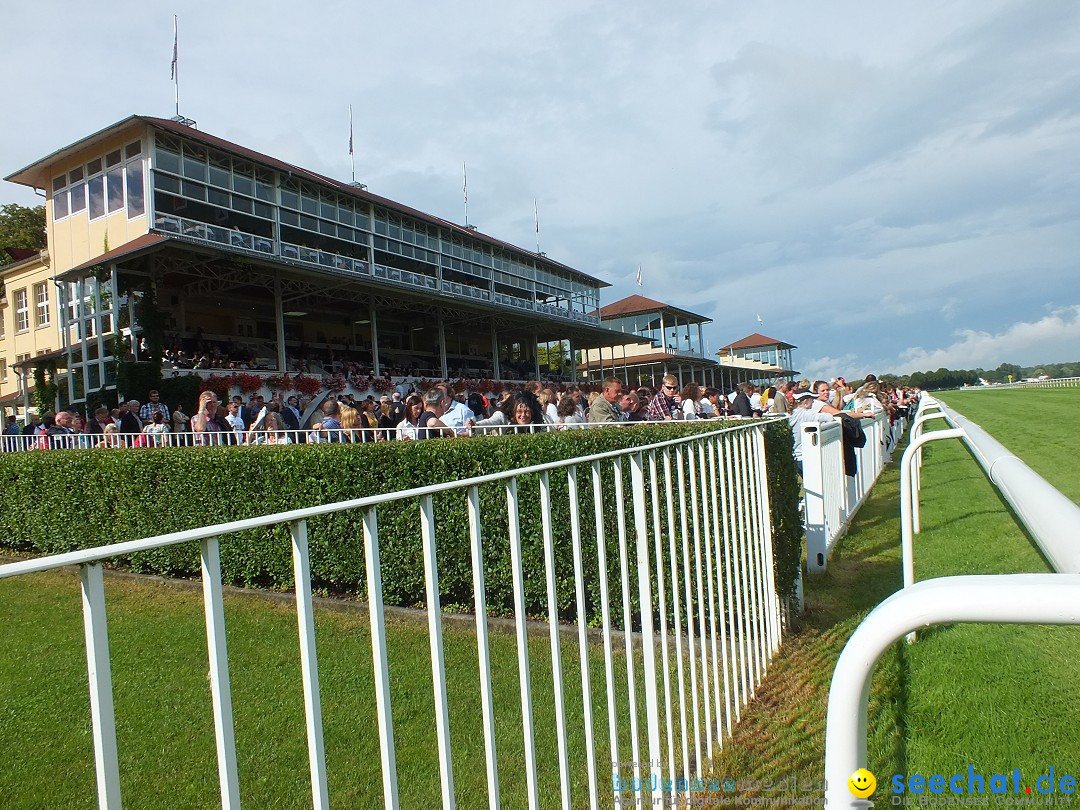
(375, 365)
(700, 341)
(442, 346)
(680, 375)
(279, 322)
(496, 371)
(573, 361)
(536, 353)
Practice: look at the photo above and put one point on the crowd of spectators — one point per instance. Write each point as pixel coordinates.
(407, 415)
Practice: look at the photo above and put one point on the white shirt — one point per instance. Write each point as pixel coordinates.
(689, 409)
(804, 416)
(236, 422)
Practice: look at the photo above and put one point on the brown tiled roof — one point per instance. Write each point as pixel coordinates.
(655, 357)
(755, 340)
(141, 243)
(17, 254)
(633, 304)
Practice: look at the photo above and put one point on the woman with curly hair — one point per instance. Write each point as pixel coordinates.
(691, 393)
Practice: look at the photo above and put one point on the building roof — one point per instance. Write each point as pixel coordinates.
(17, 254)
(634, 304)
(34, 175)
(140, 244)
(649, 359)
(755, 341)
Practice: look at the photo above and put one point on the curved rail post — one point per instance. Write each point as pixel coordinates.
(916, 473)
(909, 494)
(1000, 598)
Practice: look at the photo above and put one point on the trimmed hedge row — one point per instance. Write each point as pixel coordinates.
(60, 501)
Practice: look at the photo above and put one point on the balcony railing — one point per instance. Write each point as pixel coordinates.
(230, 237)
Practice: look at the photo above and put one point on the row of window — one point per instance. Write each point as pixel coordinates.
(321, 210)
(21, 302)
(103, 186)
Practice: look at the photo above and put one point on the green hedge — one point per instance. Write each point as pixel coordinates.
(61, 501)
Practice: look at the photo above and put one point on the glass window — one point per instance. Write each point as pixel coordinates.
(96, 185)
(264, 210)
(94, 167)
(41, 305)
(219, 176)
(264, 185)
(290, 199)
(194, 168)
(242, 178)
(195, 191)
(166, 183)
(169, 161)
(116, 189)
(309, 223)
(133, 149)
(135, 205)
(218, 197)
(241, 203)
(60, 204)
(345, 215)
(3, 369)
(22, 311)
(76, 175)
(112, 158)
(289, 217)
(59, 182)
(78, 197)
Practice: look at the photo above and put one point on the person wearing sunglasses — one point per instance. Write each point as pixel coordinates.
(667, 404)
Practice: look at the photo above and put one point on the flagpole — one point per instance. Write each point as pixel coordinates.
(175, 67)
(536, 216)
(352, 155)
(465, 190)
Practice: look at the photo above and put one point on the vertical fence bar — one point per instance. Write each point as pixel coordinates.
(553, 633)
(761, 593)
(309, 665)
(220, 693)
(435, 639)
(734, 600)
(648, 631)
(702, 603)
(483, 650)
(766, 519)
(741, 594)
(706, 534)
(677, 616)
(751, 569)
(681, 477)
(717, 533)
(627, 623)
(99, 672)
(658, 550)
(605, 612)
(522, 632)
(379, 658)
(583, 637)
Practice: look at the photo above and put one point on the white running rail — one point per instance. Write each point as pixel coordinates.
(700, 540)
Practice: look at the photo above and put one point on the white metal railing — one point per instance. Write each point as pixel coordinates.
(1051, 519)
(699, 536)
(832, 497)
(85, 441)
(1061, 382)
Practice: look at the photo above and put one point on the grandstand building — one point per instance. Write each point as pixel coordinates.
(661, 339)
(757, 359)
(153, 219)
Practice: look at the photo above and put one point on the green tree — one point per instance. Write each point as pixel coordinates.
(21, 227)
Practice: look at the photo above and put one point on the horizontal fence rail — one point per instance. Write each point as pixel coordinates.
(832, 497)
(669, 549)
(261, 437)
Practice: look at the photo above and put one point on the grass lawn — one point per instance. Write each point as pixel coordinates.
(993, 697)
(164, 721)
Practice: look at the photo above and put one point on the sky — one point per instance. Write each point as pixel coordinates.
(890, 187)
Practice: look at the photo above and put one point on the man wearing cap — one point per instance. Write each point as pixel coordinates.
(803, 414)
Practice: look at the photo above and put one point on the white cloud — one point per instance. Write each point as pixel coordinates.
(1052, 339)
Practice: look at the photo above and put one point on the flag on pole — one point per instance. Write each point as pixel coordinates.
(639, 275)
(172, 69)
(760, 322)
(350, 130)
(465, 183)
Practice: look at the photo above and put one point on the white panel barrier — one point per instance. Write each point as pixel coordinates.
(832, 497)
(701, 561)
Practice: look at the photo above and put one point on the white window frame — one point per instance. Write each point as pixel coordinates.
(41, 307)
(22, 313)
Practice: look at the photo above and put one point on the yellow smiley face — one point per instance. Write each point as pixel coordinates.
(861, 783)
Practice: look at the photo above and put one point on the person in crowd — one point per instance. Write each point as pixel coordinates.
(130, 422)
(477, 403)
(61, 431)
(756, 407)
(691, 393)
(32, 426)
(525, 414)
(740, 406)
(387, 425)
(780, 400)
(317, 434)
(821, 402)
(397, 407)
(667, 404)
(350, 424)
(633, 407)
(456, 413)
(569, 412)
(430, 424)
(802, 414)
(96, 426)
(406, 428)
(155, 429)
(331, 420)
(367, 420)
(110, 436)
(548, 405)
(711, 405)
(180, 420)
(270, 431)
(605, 407)
(235, 421)
(205, 425)
(154, 405)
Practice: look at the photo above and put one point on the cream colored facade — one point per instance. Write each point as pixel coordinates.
(28, 321)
